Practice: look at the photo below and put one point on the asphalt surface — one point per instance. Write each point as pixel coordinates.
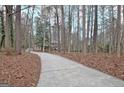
(58, 71)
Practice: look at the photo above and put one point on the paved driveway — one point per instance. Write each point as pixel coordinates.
(61, 72)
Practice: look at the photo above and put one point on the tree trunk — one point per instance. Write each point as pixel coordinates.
(88, 28)
(95, 31)
(44, 41)
(32, 33)
(112, 32)
(84, 30)
(63, 27)
(122, 41)
(49, 35)
(91, 28)
(77, 48)
(2, 30)
(70, 25)
(18, 29)
(118, 30)
(103, 28)
(58, 28)
(111, 28)
(11, 28)
(8, 28)
(26, 30)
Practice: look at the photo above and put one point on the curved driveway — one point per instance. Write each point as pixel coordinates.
(61, 72)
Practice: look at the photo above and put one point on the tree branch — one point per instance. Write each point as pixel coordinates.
(19, 10)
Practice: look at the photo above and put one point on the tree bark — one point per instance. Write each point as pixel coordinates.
(58, 28)
(63, 27)
(2, 30)
(69, 25)
(91, 35)
(118, 30)
(78, 25)
(112, 32)
(18, 29)
(84, 30)
(8, 28)
(95, 30)
(88, 28)
(122, 41)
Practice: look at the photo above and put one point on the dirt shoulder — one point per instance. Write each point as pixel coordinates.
(110, 64)
(20, 70)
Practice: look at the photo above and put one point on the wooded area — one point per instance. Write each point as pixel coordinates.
(92, 35)
(17, 67)
(86, 29)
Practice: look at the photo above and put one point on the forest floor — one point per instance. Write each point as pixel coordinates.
(19, 70)
(110, 64)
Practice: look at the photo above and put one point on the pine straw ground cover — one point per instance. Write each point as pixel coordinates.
(110, 64)
(20, 70)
